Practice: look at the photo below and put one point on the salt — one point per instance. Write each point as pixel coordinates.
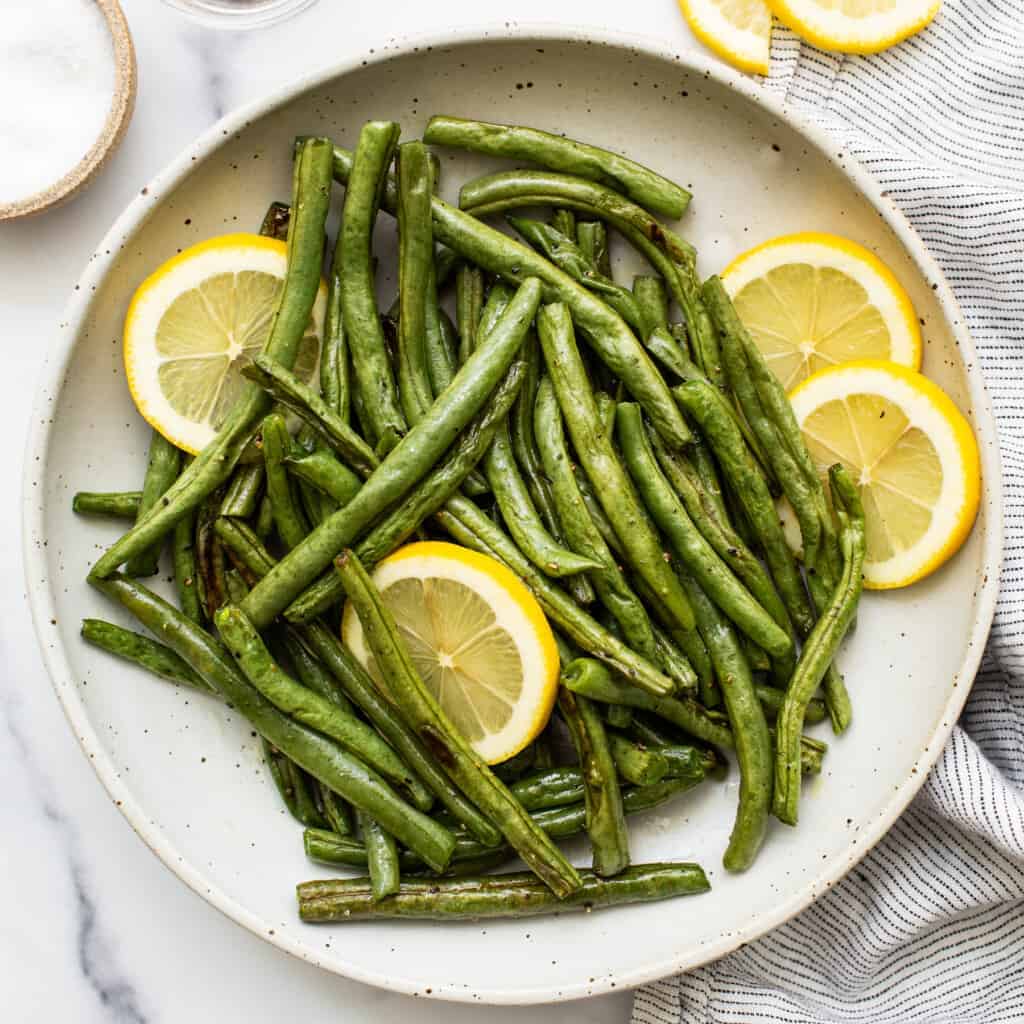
(57, 80)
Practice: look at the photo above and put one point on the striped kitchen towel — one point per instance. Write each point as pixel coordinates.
(929, 928)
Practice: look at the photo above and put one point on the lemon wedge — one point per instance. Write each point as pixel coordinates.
(855, 26)
(739, 31)
(912, 453)
(195, 322)
(477, 637)
(813, 300)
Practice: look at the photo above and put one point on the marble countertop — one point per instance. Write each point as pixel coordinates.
(94, 928)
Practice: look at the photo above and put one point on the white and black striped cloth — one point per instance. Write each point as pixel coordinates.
(929, 928)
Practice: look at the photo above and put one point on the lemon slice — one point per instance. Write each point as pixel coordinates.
(911, 451)
(814, 300)
(739, 31)
(855, 26)
(477, 637)
(195, 322)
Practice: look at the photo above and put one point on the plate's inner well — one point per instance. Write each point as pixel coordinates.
(189, 771)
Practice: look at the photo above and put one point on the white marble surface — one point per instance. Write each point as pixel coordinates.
(94, 929)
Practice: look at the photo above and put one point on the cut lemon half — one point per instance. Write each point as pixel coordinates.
(477, 637)
(195, 322)
(855, 26)
(813, 300)
(739, 31)
(912, 454)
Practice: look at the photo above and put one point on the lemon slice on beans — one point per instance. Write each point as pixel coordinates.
(912, 454)
(196, 321)
(813, 300)
(477, 637)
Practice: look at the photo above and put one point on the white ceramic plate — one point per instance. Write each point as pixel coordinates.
(187, 773)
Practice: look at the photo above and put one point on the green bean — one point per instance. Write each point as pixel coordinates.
(141, 650)
(749, 730)
(670, 255)
(354, 260)
(337, 812)
(553, 787)
(618, 716)
(468, 525)
(592, 238)
(162, 470)
(757, 657)
(770, 391)
(442, 481)
(544, 748)
(235, 587)
(309, 707)
(683, 760)
(771, 699)
(115, 504)
(438, 344)
(469, 301)
(243, 494)
(460, 761)
(595, 451)
(606, 823)
(636, 181)
(636, 763)
(669, 351)
(404, 466)
(414, 751)
(820, 648)
(381, 858)
(495, 896)
(564, 222)
(334, 376)
(524, 443)
(702, 508)
(329, 649)
(793, 467)
(667, 634)
(185, 569)
(515, 767)
(606, 332)
(415, 260)
(589, 677)
(317, 505)
(718, 427)
(288, 516)
(302, 400)
(264, 524)
(565, 254)
(561, 821)
(521, 516)
(214, 465)
(652, 301)
(311, 673)
(209, 561)
(328, 848)
(769, 439)
(276, 221)
(582, 534)
(245, 544)
(605, 412)
(688, 545)
(293, 785)
(325, 472)
(319, 756)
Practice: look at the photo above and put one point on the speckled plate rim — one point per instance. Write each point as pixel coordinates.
(43, 608)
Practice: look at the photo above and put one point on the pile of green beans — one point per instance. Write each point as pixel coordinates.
(637, 507)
